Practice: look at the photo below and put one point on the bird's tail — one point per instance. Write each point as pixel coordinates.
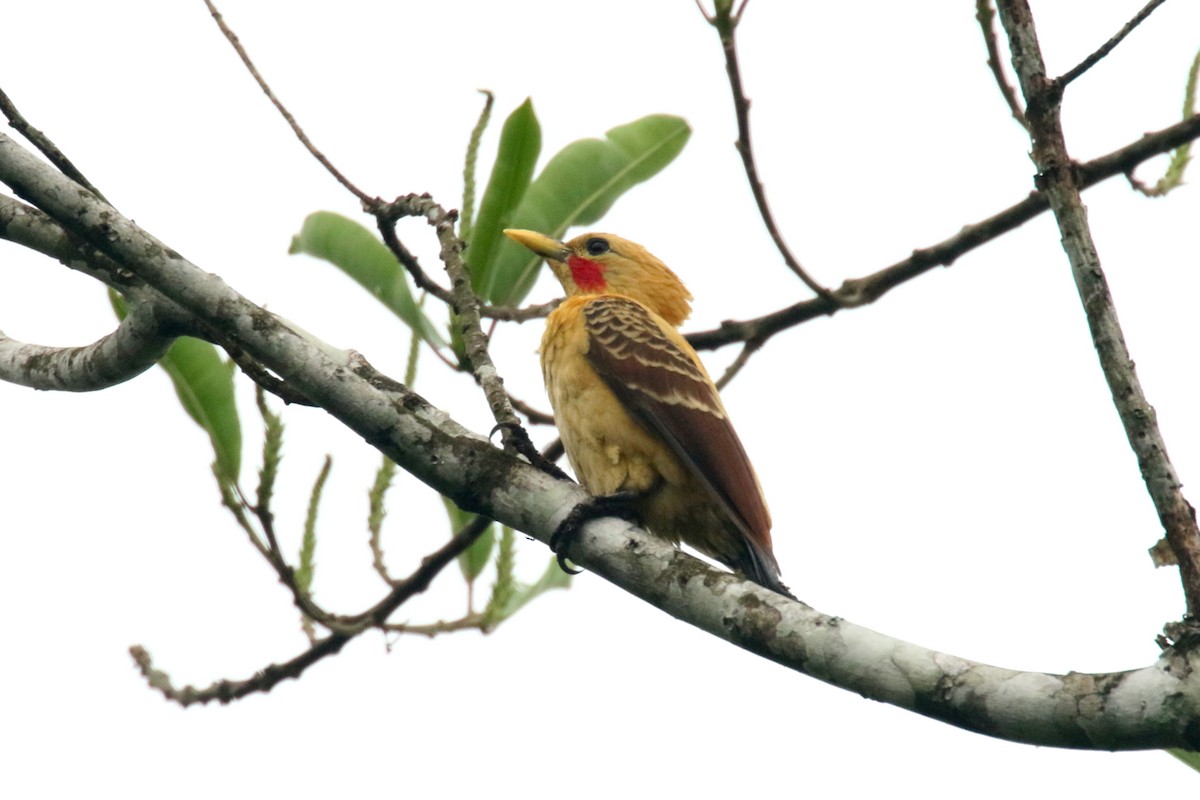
(761, 567)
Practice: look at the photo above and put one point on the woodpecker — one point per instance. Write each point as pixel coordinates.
(641, 420)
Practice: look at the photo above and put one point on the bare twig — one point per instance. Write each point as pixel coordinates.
(523, 314)
(267, 678)
(865, 290)
(291, 121)
(1091, 61)
(472, 621)
(425, 283)
(256, 372)
(1058, 181)
(406, 258)
(725, 20)
(532, 414)
(748, 349)
(387, 229)
(46, 147)
(226, 691)
(419, 580)
(985, 13)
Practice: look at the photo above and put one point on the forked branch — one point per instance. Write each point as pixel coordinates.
(1058, 179)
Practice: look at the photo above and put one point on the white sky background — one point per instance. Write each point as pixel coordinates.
(944, 466)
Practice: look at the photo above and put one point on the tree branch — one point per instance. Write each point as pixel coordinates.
(725, 20)
(32, 228)
(1107, 47)
(270, 676)
(985, 14)
(1057, 178)
(868, 289)
(44, 145)
(1155, 707)
(134, 347)
(287, 115)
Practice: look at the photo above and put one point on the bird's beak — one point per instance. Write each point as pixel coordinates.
(544, 246)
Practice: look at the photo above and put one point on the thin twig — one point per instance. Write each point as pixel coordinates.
(866, 290)
(406, 258)
(287, 115)
(1107, 47)
(226, 691)
(262, 377)
(748, 349)
(301, 597)
(409, 261)
(522, 314)
(427, 284)
(472, 621)
(725, 20)
(387, 229)
(44, 145)
(532, 414)
(985, 14)
(419, 580)
(267, 678)
(1058, 181)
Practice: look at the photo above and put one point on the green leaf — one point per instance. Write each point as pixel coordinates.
(357, 251)
(204, 383)
(516, 158)
(474, 558)
(577, 187)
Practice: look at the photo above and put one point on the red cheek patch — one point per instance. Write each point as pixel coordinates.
(588, 275)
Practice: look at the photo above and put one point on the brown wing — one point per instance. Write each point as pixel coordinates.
(653, 371)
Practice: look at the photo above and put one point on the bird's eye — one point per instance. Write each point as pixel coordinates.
(596, 246)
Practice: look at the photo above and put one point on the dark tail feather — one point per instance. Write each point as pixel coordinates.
(761, 567)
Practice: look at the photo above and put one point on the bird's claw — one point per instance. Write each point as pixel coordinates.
(562, 564)
(502, 426)
(608, 505)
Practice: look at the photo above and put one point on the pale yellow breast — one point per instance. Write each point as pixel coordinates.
(609, 450)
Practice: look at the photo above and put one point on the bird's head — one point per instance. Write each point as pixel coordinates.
(600, 263)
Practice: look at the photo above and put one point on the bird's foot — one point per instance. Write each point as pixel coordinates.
(517, 440)
(608, 505)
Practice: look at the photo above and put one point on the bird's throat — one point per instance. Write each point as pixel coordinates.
(587, 274)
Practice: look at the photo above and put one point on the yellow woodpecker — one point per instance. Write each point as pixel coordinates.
(638, 414)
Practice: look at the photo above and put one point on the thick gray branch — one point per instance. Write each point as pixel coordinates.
(134, 347)
(30, 227)
(1158, 706)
